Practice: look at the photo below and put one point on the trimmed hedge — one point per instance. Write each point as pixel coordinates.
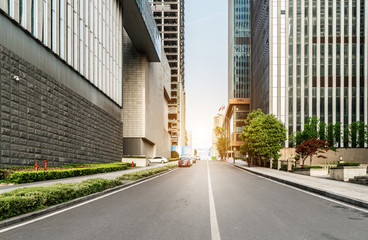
(33, 176)
(145, 173)
(348, 164)
(308, 167)
(173, 159)
(174, 154)
(25, 200)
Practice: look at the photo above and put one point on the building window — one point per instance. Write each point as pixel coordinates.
(61, 30)
(34, 18)
(44, 23)
(23, 13)
(53, 25)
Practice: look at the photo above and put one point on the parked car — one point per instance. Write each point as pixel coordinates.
(158, 160)
(185, 162)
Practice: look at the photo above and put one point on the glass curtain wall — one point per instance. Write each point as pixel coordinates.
(86, 34)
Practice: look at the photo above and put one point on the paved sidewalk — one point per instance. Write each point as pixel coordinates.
(343, 191)
(109, 175)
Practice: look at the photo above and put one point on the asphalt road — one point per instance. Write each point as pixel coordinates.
(184, 204)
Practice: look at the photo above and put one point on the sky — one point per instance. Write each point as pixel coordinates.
(205, 66)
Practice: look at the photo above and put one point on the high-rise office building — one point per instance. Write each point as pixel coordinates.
(309, 58)
(61, 88)
(239, 70)
(169, 16)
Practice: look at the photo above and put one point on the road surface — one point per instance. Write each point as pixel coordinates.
(210, 200)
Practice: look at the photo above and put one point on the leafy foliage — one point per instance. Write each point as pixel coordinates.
(222, 143)
(24, 200)
(264, 134)
(361, 134)
(355, 134)
(311, 147)
(337, 133)
(145, 173)
(348, 164)
(174, 154)
(33, 176)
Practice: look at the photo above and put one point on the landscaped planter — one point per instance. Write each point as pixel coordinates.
(313, 172)
(344, 173)
(140, 162)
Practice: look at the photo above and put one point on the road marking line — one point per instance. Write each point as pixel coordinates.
(310, 193)
(215, 232)
(78, 205)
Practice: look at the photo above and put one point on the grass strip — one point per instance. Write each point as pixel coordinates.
(145, 173)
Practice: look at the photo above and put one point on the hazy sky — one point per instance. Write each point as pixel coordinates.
(205, 66)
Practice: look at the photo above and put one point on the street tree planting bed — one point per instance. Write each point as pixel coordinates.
(29, 199)
(313, 172)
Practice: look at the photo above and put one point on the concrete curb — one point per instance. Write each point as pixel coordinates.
(42, 212)
(324, 193)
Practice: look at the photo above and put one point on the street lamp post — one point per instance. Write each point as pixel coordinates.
(231, 148)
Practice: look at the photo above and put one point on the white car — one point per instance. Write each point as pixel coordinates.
(158, 160)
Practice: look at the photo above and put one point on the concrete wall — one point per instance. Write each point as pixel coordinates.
(348, 154)
(145, 108)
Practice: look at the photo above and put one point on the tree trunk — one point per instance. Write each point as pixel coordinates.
(310, 161)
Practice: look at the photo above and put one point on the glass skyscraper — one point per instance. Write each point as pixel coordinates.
(239, 79)
(239, 49)
(310, 59)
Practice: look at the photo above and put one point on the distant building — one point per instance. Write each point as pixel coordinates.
(169, 17)
(190, 138)
(62, 74)
(310, 58)
(239, 79)
(218, 121)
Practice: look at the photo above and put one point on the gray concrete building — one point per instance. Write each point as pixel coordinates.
(61, 65)
(169, 17)
(146, 97)
(310, 58)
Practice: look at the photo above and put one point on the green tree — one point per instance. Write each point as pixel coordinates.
(337, 133)
(309, 132)
(361, 134)
(222, 143)
(353, 134)
(346, 136)
(322, 131)
(330, 134)
(265, 135)
(310, 128)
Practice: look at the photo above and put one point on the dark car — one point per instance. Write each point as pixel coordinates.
(185, 162)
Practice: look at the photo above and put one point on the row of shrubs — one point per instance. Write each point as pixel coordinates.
(25, 200)
(284, 167)
(33, 176)
(145, 173)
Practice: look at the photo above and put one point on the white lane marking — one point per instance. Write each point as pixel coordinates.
(78, 205)
(215, 232)
(310, 193)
